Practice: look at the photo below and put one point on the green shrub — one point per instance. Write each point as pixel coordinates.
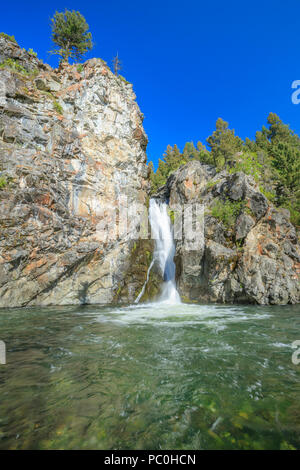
(3, 182)
(33, 73)
(295, 216)
(171, 215)
(8, 37)
(249, 211)
(269, 195)
(227, 212)
(294, 212)
(79, 68)
(249, 164)
(211, 184)
(123, 79)
(58, 108)
(31, 52)
(13, 65)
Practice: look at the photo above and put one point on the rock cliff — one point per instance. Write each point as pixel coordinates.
(250, 253)
(72, 144)
(72, 157)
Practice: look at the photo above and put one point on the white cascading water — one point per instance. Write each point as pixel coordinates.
(164, 251)
(144, 286)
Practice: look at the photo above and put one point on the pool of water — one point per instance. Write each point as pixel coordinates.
(150, 377)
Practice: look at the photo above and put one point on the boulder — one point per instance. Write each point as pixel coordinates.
(244, 224)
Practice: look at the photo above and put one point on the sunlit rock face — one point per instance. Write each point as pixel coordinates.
(255, 260)
(72, 144)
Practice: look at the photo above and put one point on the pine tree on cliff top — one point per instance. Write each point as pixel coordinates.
(70, 35)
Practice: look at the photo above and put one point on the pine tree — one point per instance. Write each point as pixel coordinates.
(286, 160)
(272, 159)
(223, 143)
(172, 157)
(280, 132)
(281, 149)
(250, 145)
(70, 35)
(189, 152)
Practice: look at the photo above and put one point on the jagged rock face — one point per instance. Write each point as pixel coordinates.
(71, 144)
(256, 260)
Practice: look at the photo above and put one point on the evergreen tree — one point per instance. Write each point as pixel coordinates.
(172, 157)
(160, 177)
(189, 152)
(281, 149)
(280, 132)
(273, 160)
(204, 155)
(250, 145)
(70, 35)
(262, 139)
(286, 160)
(223, 143)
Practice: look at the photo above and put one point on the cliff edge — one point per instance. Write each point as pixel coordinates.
(72, 144)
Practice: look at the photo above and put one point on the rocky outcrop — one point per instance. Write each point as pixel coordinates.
(72, 144)
(253, 256)
(72, 158)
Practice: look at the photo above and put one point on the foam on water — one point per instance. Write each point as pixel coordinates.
(178, 314)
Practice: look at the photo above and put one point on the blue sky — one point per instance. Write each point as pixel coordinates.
(190, 61)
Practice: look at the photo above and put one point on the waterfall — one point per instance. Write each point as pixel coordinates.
(162, 233)
(146, 282)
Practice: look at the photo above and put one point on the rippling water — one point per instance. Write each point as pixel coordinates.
(150, 377)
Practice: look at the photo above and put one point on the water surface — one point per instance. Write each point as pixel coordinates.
(150, 377)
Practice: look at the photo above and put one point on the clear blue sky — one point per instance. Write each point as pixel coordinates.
(190, 61)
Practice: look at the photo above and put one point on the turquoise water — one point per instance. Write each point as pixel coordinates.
(150, 377)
